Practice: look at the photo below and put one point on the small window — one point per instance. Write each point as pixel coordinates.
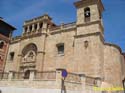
(11, 56)
(60, 48)
(1, 44)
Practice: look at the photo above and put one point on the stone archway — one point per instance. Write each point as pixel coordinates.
(28, 59)
(27, 74)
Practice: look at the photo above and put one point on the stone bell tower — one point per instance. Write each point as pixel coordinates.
(89, 12)
(89, 53)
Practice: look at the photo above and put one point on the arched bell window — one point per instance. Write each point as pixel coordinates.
(1, 44)
(87, 12)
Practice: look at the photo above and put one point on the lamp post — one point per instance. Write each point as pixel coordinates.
(64, 75)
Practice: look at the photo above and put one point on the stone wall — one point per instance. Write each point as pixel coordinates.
(89, 60)
(45, 86)
(52, 59)
(112, 65)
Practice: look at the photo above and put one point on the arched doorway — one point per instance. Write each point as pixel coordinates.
(27, 74)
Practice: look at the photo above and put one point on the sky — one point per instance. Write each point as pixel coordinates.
(15, 12)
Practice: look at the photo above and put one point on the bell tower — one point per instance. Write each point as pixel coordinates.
(88, 11)
(89, 38)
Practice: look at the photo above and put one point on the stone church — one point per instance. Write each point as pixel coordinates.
(36, 59)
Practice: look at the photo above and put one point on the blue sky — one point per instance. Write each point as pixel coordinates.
(16, 12)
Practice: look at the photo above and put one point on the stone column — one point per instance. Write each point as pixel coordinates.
(24, 30)
(38, 26)
(28, 28)
(32, 74)
(10, 77)
(44, 28)
(33, 27)
(83, 78)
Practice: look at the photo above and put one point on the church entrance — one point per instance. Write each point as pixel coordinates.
(27, 74)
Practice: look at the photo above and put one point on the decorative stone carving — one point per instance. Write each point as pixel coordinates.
(29, 53)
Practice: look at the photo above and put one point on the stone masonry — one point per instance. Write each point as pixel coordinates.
(44, 49)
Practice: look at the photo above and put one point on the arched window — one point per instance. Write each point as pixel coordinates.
(27, 74)
(1, 44)
(87, 12)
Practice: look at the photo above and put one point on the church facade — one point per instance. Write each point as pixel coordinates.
(37, 58)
